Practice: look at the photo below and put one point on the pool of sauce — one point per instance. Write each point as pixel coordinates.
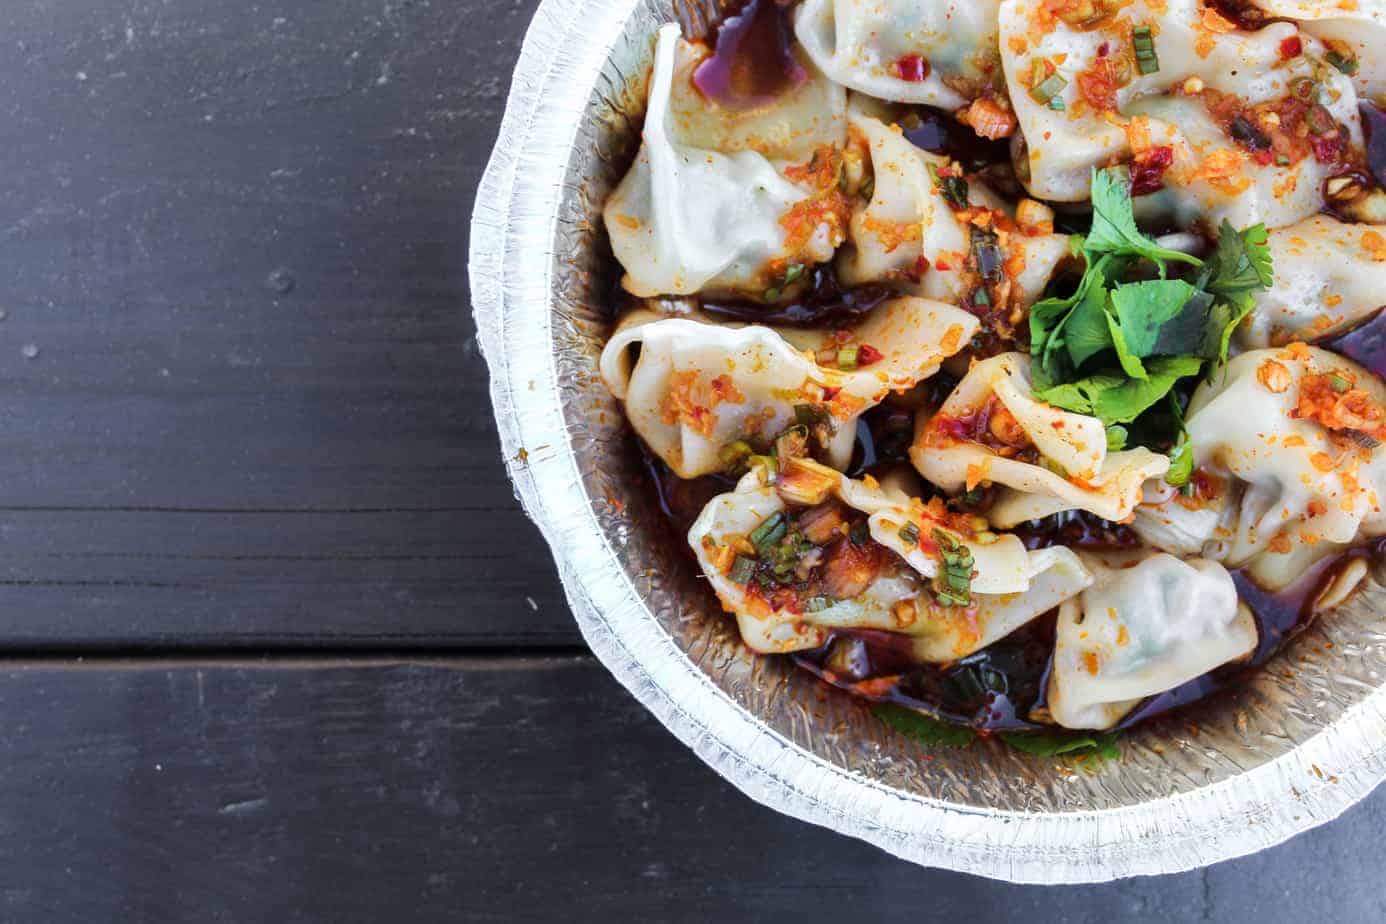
(999, 687)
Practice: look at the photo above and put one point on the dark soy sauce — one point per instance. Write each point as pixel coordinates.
(939, 133)
(1374, 124)
(992, 690)
(752, 63)
(1364, 344)
(826, 303)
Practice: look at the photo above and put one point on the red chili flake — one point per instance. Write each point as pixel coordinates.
(943, 266)
(867, 354)
(1264, 158)
(1148, 170)
(1329, 149)
(1104, 49)
(913, 68)
(831, 393)
(921, 266)
(1291, 47)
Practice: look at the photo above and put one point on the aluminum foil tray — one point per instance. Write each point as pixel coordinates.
(1290, 748)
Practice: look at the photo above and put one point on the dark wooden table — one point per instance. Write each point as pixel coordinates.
(279, 645)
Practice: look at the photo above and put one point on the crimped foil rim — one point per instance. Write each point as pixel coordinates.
(511, 244)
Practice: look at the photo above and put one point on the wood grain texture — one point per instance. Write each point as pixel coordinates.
(235, 236)
(526, 790)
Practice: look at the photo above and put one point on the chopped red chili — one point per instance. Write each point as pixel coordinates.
(867, 354)
(1148, 170)
(1291, 47)
(912, 68)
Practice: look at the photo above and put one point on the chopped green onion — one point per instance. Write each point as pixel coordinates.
(1057, 104)
(1347, 63)
(807, 415)
(990, 259)
(953, 585)
(1282, 160)
(769, 533)
(817, 604)
(735, 454)
(1338, 383)
(1147, 61)
(980, 297)
(769, 463)
(868, 187)
(952, 188)
(847, 357)
(1181, 465)
(742, 569)
(860, 534)
(771, 294)
(909, 534)
(1116, 438)
(1048, 88)
(793, 273)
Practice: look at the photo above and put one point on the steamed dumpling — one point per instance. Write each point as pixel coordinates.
(1289, 463)
(882, 579)
(697, 387)
(1089, 120)
(908, 234)
(688, 218)
(937, 52)
(1142, 630)
(993, 430)
(1328, 277)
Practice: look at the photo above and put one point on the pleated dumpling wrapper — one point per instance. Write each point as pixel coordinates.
(992, 429)
(1141, 630)
(698, 387)
(853, 555)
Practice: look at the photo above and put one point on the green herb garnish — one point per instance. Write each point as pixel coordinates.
(909, 535)
(741, 570)
(953, 584)
(769, 532)
(1114, 348)
(922, 728)
(1347, 63)
(952, 188)
(1090, 750)
(1147, 62)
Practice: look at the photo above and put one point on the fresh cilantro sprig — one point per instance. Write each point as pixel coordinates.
(927, 731)
(1113, 349)
(1088, 750)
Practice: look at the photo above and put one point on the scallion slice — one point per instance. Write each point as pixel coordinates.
(909, 534)
(860, 534)
(1347, 63)
(817, 604)
(1147, 61)
(1048, 88)
(742, 569)
(769, 533)
(953, 585)
(847, 357)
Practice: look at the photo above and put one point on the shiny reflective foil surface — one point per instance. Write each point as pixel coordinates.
(1288, 748)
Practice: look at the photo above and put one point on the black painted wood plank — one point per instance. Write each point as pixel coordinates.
(240, 394)
(514, 790)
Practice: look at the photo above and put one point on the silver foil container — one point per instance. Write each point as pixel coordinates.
(1290, 748)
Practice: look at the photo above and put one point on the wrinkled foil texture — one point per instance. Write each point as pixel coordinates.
(1289, 748)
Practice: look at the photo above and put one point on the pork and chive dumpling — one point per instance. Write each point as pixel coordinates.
(1289, 465)
(697, 388)
(1328, 276)
(937, 52)
(813, 551)
(1142, 630)
(992, 430)
(922, 228)
(1222, 108)
(688, 218)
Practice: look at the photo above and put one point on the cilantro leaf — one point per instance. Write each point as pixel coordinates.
(927, 731)
(1195, 330)
(1145, 308)
(1085, 331)
(1116, 399)
(1114, 228)
(1090, 749)
(1241, 262)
